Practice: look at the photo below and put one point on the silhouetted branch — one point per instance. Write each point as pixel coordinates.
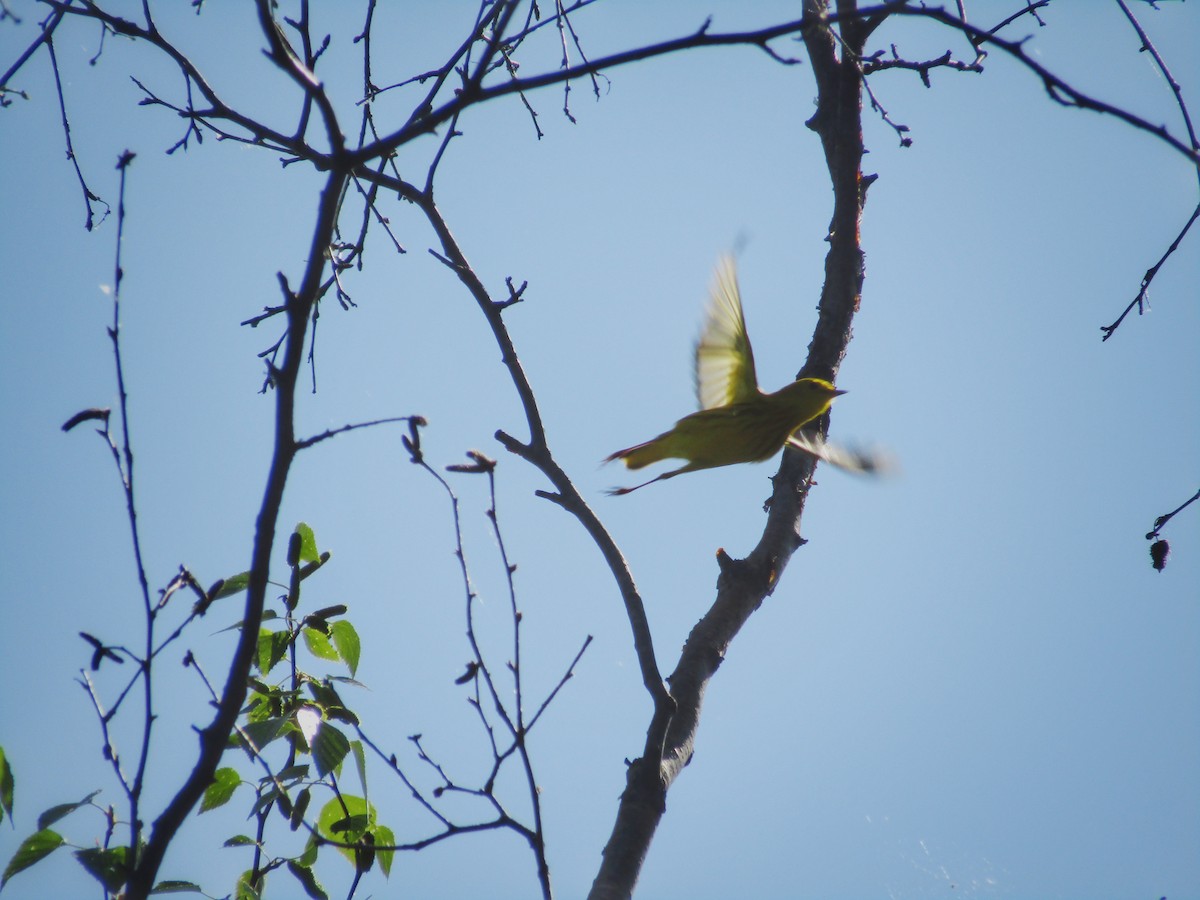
(1167, 517)
(47, 30)
(743, 584)
(1161, 549)
(1147, 46)
(1057, 88)
(214, 737)
(334, 432)
(876, 63)
(88, 196)
(1031, 8)
(1141, 300)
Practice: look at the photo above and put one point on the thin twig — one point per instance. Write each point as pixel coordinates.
(1149, 47)
(537, 840)
(88, 196)
(1140, 301)
(1167, 517)
(333, 432)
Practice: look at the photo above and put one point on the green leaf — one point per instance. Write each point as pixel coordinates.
(331, 704)
(306, 878)
(176, 887)
(268, 615)
(262, 706)
(262, 733)
(329, 749)
(345, 819)
(296, 772)
(268, 798)
(6, 786)
(309, 856)
(107, 866)
(225, 782)
(272, 645)
(245, 889)
(54, 813)
(34, 848)
(233, 584)
(308, 544)
(319, 646)
(384, 838)
(345, 638)
(360, 762)
(239, 840)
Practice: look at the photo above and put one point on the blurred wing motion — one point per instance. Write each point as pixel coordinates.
(724, 361)
(849, 459)
(737, 422)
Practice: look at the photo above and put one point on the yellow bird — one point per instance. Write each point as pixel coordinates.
(738, 422)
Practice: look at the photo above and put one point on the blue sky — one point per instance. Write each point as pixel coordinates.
(969, 680)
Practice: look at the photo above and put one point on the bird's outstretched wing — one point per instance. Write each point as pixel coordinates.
(849, 459)
(724, 361)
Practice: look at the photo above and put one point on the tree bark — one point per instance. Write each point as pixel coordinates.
(744, 584)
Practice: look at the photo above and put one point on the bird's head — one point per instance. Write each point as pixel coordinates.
(813, 387)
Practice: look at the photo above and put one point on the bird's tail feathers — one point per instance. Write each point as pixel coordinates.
(850, 459)
(639, 455)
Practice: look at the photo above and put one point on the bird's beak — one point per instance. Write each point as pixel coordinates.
(838, 393)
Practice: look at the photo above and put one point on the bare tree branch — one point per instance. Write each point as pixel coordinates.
(744, 584)
(1141, 301)
(213, 738)
(1058, 89)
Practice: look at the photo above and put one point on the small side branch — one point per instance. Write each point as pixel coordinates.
(334, 432)
(1141, 301)
(1167, 517)
(88, 196)
(1148, 47)
(43, 37)
(1161, 549)
(1057, 88)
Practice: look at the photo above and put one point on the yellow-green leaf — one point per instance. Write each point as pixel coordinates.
(107, 866)
(319, 646)
(272, 645)
(329, 749)
(345, 638)
(176, 887)
(54, 813)
(6, 786)
(384, 838)
(34, 848)
(225, 782)
(308, 543)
